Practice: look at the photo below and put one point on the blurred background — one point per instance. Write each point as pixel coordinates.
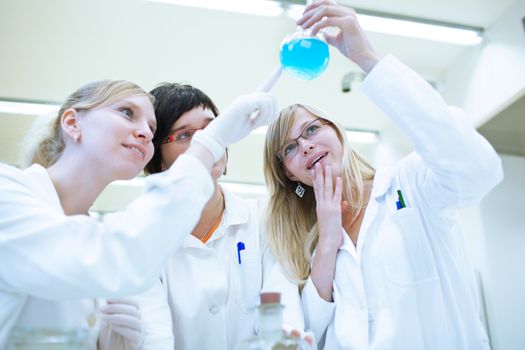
(227, 47)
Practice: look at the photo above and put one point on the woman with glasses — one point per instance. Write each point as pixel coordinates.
(379, 252)
(52, 253)
(210, 288)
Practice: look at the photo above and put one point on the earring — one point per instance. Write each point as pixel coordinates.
(299, 190)
(76, 137)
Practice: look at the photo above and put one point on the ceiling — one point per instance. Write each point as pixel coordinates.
(50, 48)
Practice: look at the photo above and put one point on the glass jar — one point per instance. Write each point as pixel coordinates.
(271, 335)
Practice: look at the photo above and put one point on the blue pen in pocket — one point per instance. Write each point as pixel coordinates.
(240, 246)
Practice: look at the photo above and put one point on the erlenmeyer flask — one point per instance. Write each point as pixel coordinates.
(303, 55)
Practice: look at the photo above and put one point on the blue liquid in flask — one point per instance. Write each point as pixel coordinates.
(305, 58)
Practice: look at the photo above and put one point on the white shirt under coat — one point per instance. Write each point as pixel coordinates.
(50, 261)
(409, 283)
(207, 296)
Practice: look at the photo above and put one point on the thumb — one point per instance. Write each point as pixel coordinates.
(331, 39)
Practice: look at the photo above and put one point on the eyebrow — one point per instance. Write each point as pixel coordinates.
(135, 108)
(186, 126)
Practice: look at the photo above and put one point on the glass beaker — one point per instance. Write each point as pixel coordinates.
(50, 339)
(303, 55)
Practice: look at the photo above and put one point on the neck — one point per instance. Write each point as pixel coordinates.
(210, 214)
(77, 185)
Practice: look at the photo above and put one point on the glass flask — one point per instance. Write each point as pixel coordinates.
(271, 335)
(303, 55)
(42, 339)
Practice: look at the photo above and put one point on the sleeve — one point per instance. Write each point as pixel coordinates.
(318, 313)
(458, 165)
(49, 255)
(156, 317)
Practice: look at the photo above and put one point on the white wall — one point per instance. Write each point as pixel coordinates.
(495, 232)
(487, 80)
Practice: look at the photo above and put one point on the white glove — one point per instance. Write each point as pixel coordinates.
(246, 113)
(122, 316)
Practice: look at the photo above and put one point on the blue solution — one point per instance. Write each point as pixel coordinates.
(305, 58)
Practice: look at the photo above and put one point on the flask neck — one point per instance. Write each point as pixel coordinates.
(271, 318)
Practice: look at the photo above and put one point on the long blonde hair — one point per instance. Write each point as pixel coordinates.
(292, 221)
(45, 141)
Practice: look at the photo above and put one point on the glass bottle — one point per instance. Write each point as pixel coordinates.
(303, 55)
(271, 335)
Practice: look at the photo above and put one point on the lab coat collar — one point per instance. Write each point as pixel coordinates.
(42, 184)
(382, 181)
(235, 209)
(235, 213)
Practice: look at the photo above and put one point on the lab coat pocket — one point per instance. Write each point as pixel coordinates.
(351, 326)
(408, 259)
(248, 279)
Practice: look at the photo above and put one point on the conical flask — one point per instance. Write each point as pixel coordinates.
(303, 55)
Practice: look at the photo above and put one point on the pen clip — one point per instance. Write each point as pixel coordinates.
(240, 246)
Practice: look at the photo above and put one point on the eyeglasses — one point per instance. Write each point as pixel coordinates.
(289, 150)
(183, 136)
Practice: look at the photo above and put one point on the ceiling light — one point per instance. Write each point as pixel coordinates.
(30, 108)
(407, 26)
(362, 136)
(253, 7)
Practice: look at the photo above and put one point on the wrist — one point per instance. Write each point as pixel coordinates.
(367, 61)
(212, 144)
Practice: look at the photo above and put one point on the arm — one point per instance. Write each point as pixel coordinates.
(456, 173)
(457, 166)
(77, 256)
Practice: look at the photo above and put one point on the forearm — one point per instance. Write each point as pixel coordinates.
(323, 270)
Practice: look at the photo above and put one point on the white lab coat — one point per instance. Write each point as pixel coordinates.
(46, 255)
(409, 283)
(212, 298)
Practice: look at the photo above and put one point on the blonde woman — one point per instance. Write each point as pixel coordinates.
(53, 253)
(380, 253)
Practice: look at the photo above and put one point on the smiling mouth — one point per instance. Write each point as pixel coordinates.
(316, 161)
(137, 151)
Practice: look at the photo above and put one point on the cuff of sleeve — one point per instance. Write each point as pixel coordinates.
(318, 313)
(213, 145)
(184, 165)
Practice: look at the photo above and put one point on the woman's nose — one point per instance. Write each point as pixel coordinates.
(144, 131)
(306, 146)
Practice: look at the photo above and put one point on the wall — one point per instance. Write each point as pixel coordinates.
(487, 80)
(495, 232)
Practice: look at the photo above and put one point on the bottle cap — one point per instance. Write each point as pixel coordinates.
(270, 298)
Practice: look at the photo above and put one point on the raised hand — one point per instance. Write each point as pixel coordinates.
(350, 40)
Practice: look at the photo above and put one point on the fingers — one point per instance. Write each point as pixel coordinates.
(121, 308)
(263, 109)
(324, 14)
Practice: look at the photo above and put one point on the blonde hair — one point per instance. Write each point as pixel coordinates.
(292, 221)
(45, 141)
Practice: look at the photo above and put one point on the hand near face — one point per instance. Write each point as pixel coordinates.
(328, 206)
(350, 40)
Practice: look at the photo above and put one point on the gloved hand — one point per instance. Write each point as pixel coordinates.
(122, 316)
(307, 336)
(246, 113)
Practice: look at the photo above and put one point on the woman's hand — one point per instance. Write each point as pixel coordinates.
(328, 208)
(350, 40)
(122, 316)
